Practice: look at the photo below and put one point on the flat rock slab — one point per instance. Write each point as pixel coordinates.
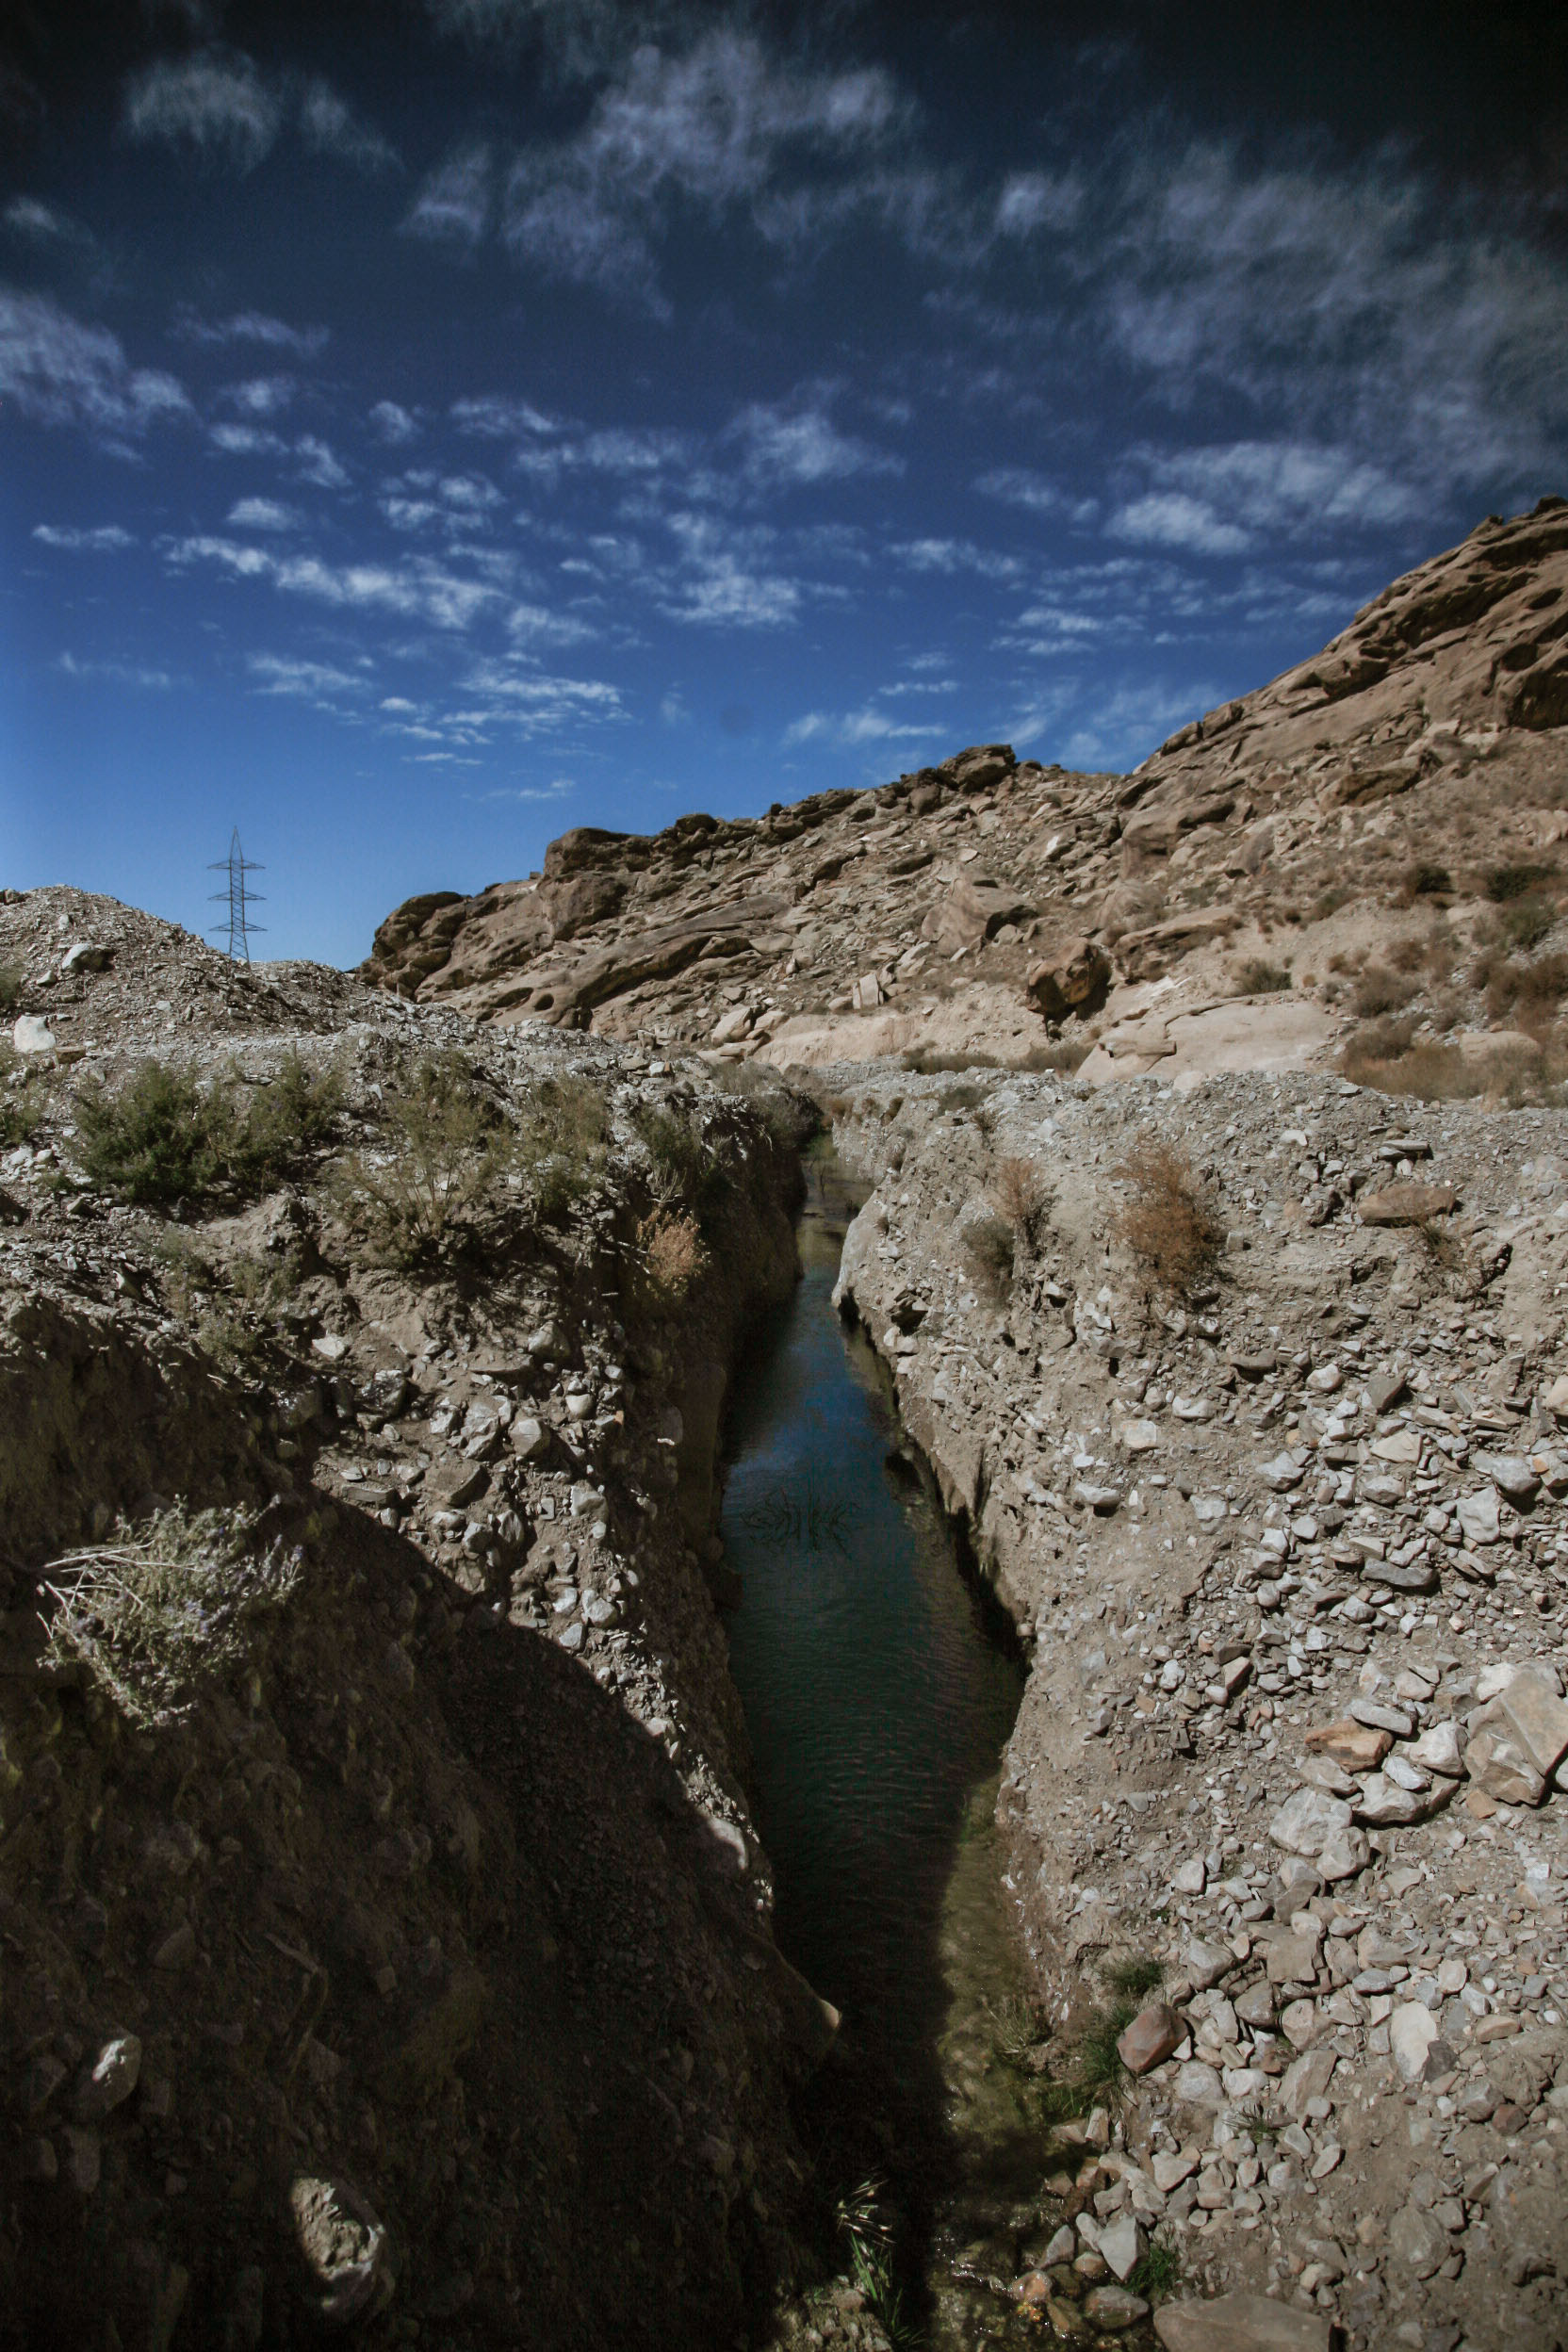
(1407, 1204)
(1241, 2322)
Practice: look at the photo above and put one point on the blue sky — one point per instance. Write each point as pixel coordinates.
(428, 427)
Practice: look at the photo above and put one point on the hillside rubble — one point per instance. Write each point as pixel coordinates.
(1371, 839)
(1291, 1553)
(411, 1968)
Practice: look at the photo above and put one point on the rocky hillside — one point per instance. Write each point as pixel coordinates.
(1360, 855)
(385, 1941)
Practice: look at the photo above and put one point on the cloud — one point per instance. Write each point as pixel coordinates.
(708, 130)
(329, 126)
(100, 539)
(317, 464)
(247, 441)
(869, 726)
(1129, 722)
(56, 371)
(1015, 485)
(260, 396)
(216, 103)
(264, 514)
(721, 583)
(120, 673)
(453, 207)
(394, 425)
(955, 555)
(43, 224)
(558, 788)
(495, 417)
(1033, 201)
(534, 701)
(417, 589)
(287, 674)
(252, 326)
(785, 446)
(1171, 518)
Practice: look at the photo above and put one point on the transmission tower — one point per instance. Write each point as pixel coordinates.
(237, 898)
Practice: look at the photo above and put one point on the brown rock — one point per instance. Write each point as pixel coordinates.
(1144, 954)
(1153, 2033)
(1073, 975)
(1241, 2322)
(1358, 1747)
(1538, 1720)
(1405, 1204)
(981, 765)
(975, 908)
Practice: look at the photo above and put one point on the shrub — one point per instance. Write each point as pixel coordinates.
(1379, 991)
(686, 1166)
(1532, 993)
(1020, 1195)
(1330, 902)
(10, 986)
(1429, 881)
(669, 1246)
(1504, 883)
(1441, 1073)
(448, 1150)
(1384, 1041)
(154, 1615)
(560, 1141)
(21, 1102)
(1525, 923)
(1166, 1219)
(988, 1245)
(166, 1136)
(1136, 1975)
(1257, 977)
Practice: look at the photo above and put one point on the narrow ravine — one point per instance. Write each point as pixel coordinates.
(879, 1689)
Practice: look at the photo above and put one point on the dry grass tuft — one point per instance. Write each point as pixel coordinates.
(1258, 977)
(1379, 991)
(671, 1254)
(1529, 1075)
(1166, 1219)
(1020, 1196)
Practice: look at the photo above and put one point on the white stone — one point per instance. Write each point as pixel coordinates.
(1478, 1516)
(1307, 1820)
(1198, 2086)
(1121, 2243)
(1411, 2030)
(1280, 1473)
(32, 1035)
(1140, 1437)
(1438, 1750)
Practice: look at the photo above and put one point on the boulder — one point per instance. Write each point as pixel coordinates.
(1111, 2311)
(1306, 1819)
(1359, 1747)
(975, 908)
(343, 2249)
(1538, 1720)
(1511, 1475)
(31, 1034)
(1144, 954)
(1241, 2322)
(1478, 1516)
(981, 765)
(1405, 1204)
(1498, 1765)
(1074, 974)
(1151, 2038)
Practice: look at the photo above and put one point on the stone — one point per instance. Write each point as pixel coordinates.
(1075, 971)
(1292, 1960)
(177, 1947)
(1307, 2078)
(1511, 1475)
(1396, 1446)
(1374, 1716)
(1321, 1771)
(87, 955)
(1241, 2322)
(31, 1034)
(528, 1438)
(343, 2248)
(1063, 2247)
(454, 1484)
(83, 2160)
(1384, 1390)
(1100, 1499)
(1170, 2170)
(1418, 2240)
(1438, 1750)
(1255, 2006)
(1478, 1516)
(1121, 2243)
(1411, 2030)
(1205, 1964)
(1111, 2311)
(1556, 1399)
(1405, 1204)
(1280, 1473)
(1192, 1876)
(1140, 1437)
(1359, 1747)
(1499, 1768)
(114, 2075)
(1209, 1510)
(1153, 2033)
(1384, 1805)
(1301, 2023)
(1306, 1819)
(1198, 2086)
(736, 1023)
(1538, 1720)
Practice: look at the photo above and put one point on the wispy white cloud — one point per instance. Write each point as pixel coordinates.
(456, 203)
(38, 223)
(707, 129)
(252, 326)
(259, 395)
(1032, 201)
(1127, 722)
(1219, 498)
(55, 371)
(216, 103)
(1173, 519)
(117, 673)
(497, 417)
(785, 444)
(247, 441)
(394, 424)
(955, 555)
(417, 589)
(317, 464)
(1035, 494)
(330, 127)
(867, 726)
(98, 539)
(309, 681)
(264, 514)
(722, 579)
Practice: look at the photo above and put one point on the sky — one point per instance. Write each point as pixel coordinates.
(427, 425)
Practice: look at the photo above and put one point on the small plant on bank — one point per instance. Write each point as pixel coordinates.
(166, 1136)
(21, 1100)
(560, 1142)
(1504, 883)
(1258, 977)
(1429, 880)
(1167, 1220)
(1158, 2272)
(1020, 1195)
(446, 1150)
(1136, 1976)
(671, 1255)
(1379, 991)
(158, 1613)
(687, 1167)
(861, 2221)
(10, 986)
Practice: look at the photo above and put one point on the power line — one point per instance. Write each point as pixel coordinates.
(236, 897)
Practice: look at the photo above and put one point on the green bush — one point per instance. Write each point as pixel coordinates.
(1526, 922)
(1504, 883)
(165, 1137)
(1428, 880)
(560, 1142)
(10, 986)
(448, 1150)
(21, 1103)
(1257, 977)
(686, 1166)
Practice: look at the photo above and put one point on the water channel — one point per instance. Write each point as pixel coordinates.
(879, 1687)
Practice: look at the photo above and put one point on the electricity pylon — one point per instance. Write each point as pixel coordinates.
(237, 898)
